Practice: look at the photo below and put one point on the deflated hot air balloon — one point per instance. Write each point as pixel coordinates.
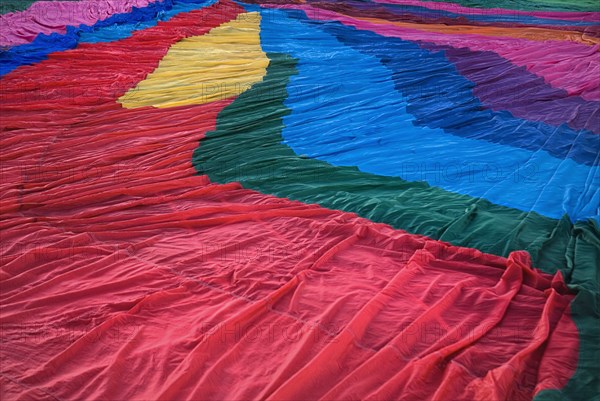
(297, 200)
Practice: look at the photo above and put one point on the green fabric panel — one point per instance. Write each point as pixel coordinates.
(9, 6)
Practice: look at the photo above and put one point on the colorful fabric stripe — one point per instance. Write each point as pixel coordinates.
(589, 10)
(560, 5)
(392, 146)
(118, 26)
(121, 29)
(454, 15)
(550, 61)
(54, 16)
(182, 78)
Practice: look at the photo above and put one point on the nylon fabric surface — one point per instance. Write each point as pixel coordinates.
(53, 16)
(456, 7)
(14, 5)
(181, 74)
(110, 31)
(475, 168)
(115, 27)
(558, 5)
(453, 15)
(302, 200)
(550, 60)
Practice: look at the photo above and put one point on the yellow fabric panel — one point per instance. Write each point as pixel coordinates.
(223, 63)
